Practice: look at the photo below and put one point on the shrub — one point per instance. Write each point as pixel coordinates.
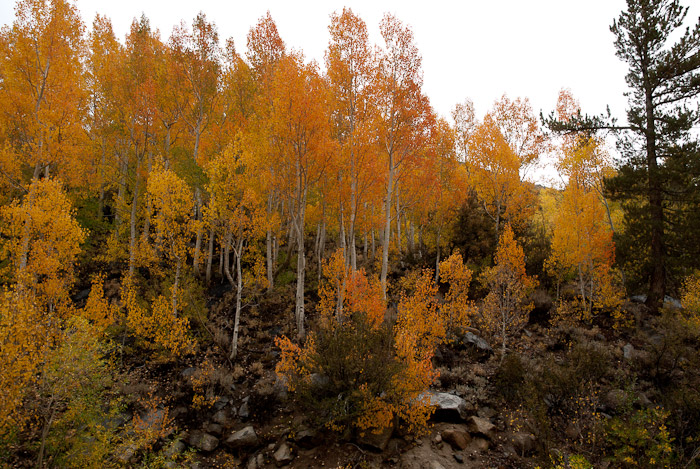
(510, 376)
(640, 438)
(354, 370)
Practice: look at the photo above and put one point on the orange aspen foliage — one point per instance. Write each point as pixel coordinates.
(42, 98)
(500, 152)
(345, 292)
(349, 63)
(299, 128)
(505, 310)
(494, 172)
(403, 112)
(196, 55)
(381, 383)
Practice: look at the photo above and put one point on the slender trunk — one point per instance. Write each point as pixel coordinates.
(197, 134)
(411, 237)
(364, 250)
(353, 216)
(26, 238)
(210, 254)
(437, 257)
(200, 229)
(317, 241)
(582, 287)
(238, 252)
(387, 225)
(321, 249)
(268, 247)
(100, 206)
(147, 219)
(420, 242)
(45, 434)
(166, 149)
(132, 222)
(341, 235)
(176, 285)
(121, 195)
(221, 259)
(398, 220)
(301, 270)
(227, 258)
(301, 259)
(268, 258)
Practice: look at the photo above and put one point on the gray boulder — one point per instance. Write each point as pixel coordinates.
(244, 410)
(524, 443)
(203, 441)
(457, 438)
(477, 345)
(283, 455)
(245, 438)
(306, 438)
(376, 441)
(481, 426)
(448, 407)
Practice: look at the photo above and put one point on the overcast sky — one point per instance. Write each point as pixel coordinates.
(471, 49)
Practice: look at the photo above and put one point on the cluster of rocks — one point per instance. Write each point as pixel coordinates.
(468, 435)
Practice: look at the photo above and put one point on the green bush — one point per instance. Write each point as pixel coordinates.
(640, 438)
(510, 377)
(350, 359)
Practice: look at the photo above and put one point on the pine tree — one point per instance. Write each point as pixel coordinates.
(665, 80)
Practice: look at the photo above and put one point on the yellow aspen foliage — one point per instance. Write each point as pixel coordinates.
(157, 323)
(97, 308)
(582, 244)
(296, 363)
(23, 344)
(419, 326)
(457, 310)
(505, 310)
(43, 241)
(238, 211)
(690, 299)
(172, 201)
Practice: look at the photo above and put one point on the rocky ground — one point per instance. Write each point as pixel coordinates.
(211, 412)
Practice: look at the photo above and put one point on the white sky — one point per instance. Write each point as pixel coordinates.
(475, 49)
